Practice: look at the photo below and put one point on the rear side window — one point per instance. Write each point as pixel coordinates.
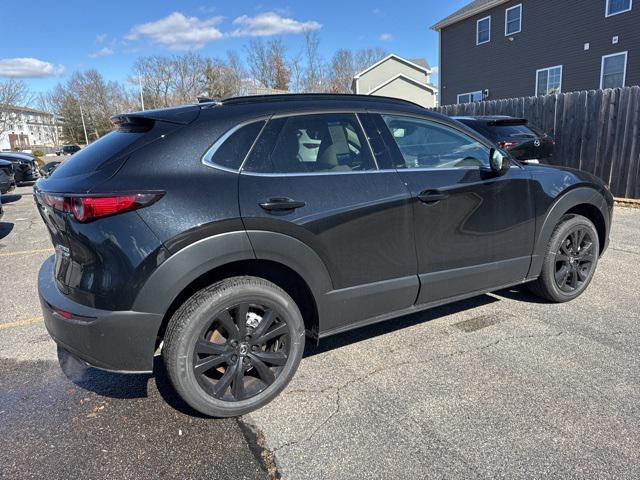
(312, 144)
(97, 154)
(231, 150)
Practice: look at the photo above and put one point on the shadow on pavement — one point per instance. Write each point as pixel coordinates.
(388, 326)
(121, 385)
(5, 229)
(521, 294)
(10, 198)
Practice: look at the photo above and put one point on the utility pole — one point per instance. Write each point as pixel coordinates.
(141, 96)
(84, 127)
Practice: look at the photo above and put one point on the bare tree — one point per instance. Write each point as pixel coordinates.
(314, 77)
(13, 93)
(341, 71)
(169, 81)
(280, 75)
(368, 56)
(260, 67)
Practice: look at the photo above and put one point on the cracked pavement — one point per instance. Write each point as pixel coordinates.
(500, 386)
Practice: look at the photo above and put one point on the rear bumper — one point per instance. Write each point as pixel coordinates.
(116, 341)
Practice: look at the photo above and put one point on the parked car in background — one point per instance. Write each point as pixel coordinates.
(25, 167)
(278, 245)
(1, 208)
(68, 150)
(7, 178)
(524, 142)
(49, 168)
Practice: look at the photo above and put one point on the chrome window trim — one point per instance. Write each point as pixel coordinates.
(208, 155)
(313, 174)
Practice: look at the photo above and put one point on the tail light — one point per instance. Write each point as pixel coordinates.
(509, 144)
(87, 208)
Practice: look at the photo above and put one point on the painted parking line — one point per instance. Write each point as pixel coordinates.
(21, 323)
(26, 252)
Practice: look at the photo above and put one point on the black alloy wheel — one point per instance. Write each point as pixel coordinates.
(570, 260)
(574, 259)
(241, 352)
(234, 346)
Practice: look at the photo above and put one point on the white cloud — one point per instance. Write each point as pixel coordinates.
(270, 23)
(386, 37)
(103, 52)
(179, 32)
(377, 12)
(101, 38)
(435, 70)
(27, 67)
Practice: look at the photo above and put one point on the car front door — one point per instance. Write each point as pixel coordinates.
(474, 229)
(313, 177)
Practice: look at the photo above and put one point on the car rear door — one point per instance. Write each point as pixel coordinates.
(474, 230)
(313, 177)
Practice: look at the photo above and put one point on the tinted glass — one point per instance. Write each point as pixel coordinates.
(97, 154)
(425, 144)
(234, 149)
(311, 144)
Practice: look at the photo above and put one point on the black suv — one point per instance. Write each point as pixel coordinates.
(223, 234)
(68, 150)
(524, 142)
(7, 177)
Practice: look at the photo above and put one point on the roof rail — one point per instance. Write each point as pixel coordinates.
(292, 97)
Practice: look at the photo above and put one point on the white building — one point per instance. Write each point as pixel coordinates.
(394, 76)
(27, 128)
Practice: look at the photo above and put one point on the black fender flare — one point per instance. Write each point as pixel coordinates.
(568, 200)
(193, 261)
(186, 265)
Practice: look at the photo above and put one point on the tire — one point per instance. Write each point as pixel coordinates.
(221, 370)
(570, 261)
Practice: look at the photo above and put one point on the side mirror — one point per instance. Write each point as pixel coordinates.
(498, 163)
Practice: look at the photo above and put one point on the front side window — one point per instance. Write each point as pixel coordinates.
(425, 144)
(549, 81)
(324, 143)
(615, 7)
(232, 148)
(470, 97)
(513, 20)
(483, 31)
(614, 69)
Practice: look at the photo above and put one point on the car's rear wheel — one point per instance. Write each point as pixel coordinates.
(234, 346)
(570, 260)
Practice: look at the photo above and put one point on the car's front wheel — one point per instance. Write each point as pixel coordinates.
(234, 346)
(570, 260)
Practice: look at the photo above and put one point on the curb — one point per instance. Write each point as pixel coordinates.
(627, 202)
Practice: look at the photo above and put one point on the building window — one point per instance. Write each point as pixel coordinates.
(470, 97)
(513, 20)
(615, 7)
(483, 31)
(549, 81)
(614, 70)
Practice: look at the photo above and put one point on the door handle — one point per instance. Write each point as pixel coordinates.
(281, 204)
(432, 196)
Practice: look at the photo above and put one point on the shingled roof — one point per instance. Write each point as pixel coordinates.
(467, 11)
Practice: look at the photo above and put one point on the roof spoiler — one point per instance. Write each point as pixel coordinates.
(508, 121)
(179, 115)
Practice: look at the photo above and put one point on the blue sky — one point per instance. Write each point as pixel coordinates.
(45, 41)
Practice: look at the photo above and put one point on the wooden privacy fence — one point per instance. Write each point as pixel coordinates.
(597, 131)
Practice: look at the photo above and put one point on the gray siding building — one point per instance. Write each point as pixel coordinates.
(492, 49)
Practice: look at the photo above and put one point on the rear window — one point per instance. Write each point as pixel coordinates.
(235, 148)
(97, 154)
(506, 131)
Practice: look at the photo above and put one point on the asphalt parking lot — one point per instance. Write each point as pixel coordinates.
(501, 386)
